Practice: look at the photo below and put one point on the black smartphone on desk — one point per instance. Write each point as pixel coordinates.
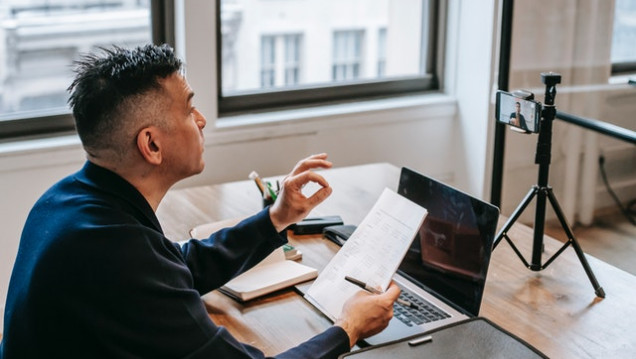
(339, 234)
(315, 225)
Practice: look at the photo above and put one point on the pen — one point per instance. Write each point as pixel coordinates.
(255, 177)
(362, 285)
(370, 289)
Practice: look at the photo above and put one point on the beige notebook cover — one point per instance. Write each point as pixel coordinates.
(271, 274)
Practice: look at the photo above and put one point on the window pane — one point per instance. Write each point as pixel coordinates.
(624, 36)
(292, 59)
(39, 39)
(322, 43)
(268, 59)
(381, 52)
(347, 55)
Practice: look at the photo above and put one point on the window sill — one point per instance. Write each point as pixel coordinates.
(308, 120)
(25, 146)
(40, 152)
(623, 79)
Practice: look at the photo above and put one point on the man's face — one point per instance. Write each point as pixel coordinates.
(517, 107)
(182, 147)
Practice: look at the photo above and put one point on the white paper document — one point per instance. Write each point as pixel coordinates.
(372, 254)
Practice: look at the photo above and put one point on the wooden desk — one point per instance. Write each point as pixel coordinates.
(555, 309)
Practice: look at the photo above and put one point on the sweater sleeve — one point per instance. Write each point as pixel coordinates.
(328, 344)
(231, 251)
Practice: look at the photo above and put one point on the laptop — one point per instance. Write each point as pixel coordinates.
(445, 267)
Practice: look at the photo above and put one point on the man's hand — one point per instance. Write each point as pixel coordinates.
(291, 205)
(366, 314)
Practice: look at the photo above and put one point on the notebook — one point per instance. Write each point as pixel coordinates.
(271, 274)
(447, 262)
(275, 272)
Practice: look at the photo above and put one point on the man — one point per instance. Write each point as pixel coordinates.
(517, 119)
(95, 276)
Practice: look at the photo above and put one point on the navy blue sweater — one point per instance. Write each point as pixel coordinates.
(96, 278)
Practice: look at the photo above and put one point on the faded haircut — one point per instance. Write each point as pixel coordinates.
(108, 87)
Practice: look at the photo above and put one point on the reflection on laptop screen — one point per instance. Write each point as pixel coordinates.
(450, 255)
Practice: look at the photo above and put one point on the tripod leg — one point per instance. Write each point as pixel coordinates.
(518, 211)
(598, 290)
(539, 224)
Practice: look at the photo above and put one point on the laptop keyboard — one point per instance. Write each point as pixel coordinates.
(425, 312)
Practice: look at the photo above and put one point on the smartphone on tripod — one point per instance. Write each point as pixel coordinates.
(518, 111)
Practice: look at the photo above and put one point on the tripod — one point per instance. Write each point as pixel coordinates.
(543, 191)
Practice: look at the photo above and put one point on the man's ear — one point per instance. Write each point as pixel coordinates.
(149, 145)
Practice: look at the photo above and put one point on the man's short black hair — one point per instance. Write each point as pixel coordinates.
(105, 84)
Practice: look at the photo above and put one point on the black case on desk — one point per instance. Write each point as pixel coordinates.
(472, 338)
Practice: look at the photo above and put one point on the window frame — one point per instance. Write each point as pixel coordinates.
(59, 121)
(312, 95)
(623, 68)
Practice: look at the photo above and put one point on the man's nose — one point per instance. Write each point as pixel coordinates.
(201, 120)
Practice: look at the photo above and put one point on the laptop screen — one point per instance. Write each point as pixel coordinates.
(449, 257)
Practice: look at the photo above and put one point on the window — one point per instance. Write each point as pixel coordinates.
(347, 55)
(324, 51)
(39, 39)
(276, 70)
(624, 37)
(381, 53)
(268, 61)
(292, 59)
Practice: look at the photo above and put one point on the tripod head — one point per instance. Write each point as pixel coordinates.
(550, 79)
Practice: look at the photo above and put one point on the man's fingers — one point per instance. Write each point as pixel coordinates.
(314, 161)
(302, 179)
(393, 291)
(319, 196)
(311, 164)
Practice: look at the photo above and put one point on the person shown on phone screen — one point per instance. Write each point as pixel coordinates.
(517, 119)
